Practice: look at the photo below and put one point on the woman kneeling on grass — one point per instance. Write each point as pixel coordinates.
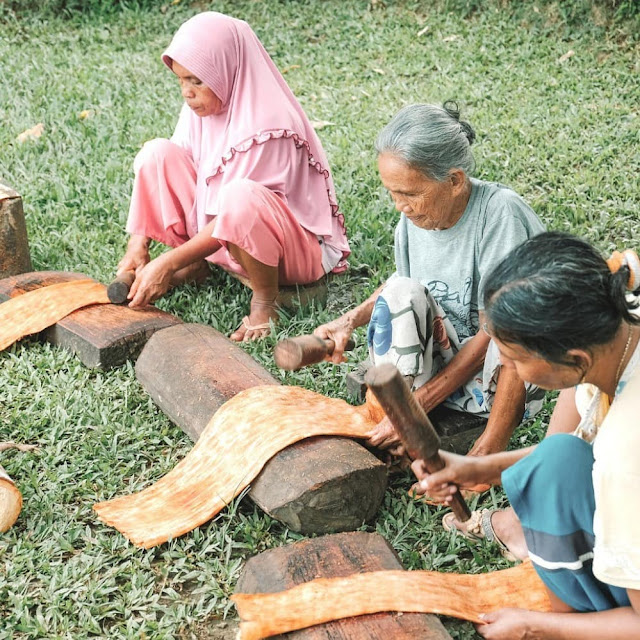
(243, 183)
(561, 318)
(453, 229)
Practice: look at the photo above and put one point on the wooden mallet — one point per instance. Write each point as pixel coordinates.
(412, 424)
(119, 288)
(292, 354)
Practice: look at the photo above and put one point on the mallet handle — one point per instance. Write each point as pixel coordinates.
(294, 353)
(412, 424)
(119, 288)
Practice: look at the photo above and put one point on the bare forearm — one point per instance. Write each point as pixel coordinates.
(195, 249)
(360, 315)
(614, 624)
(506, 413)
(490, 467)
(459, 370)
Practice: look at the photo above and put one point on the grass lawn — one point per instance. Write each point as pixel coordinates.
(556, 111)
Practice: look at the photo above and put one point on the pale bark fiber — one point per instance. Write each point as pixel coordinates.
(234, 447)
(36, 310)
(462, 596)
(10, 501)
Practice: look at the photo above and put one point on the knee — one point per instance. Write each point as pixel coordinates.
(156, 151)
(570, 457)
(405, 289)
(242, 197)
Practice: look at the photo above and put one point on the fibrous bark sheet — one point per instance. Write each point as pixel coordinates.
(36, 310)
(264, 615)
(239, 440)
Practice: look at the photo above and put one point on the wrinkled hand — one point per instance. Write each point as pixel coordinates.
(458, 471)
(509, 624)
(384, 436)
(338, 330)
(152, 281)
(135, 258)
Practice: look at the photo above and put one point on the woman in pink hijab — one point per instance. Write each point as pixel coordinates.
(243, 182)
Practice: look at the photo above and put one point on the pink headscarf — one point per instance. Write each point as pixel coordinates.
(258, 106)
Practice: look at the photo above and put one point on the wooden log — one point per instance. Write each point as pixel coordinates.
(315, 486)
(10, 501)
(102, 336)
(335, 556)
(14, 244)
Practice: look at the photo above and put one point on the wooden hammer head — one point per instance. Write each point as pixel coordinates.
(292, 354)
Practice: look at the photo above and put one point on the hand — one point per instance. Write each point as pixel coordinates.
(338, 330)
(509, 624)
(136, 256)
(458, 471)
(384, 436)
(484, 446)
(152, 281)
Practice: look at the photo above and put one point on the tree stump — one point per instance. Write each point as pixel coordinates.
(336, 556)
(315, 486)
(14, 244)
(102, 336)
(10, 501)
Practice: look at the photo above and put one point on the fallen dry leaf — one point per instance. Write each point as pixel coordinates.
(87, 113)
(566, 56)
(450, 38)
(321, 124)
(423, 31)
(292, 67)
(31, 134)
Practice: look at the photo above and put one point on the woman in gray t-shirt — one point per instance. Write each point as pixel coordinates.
(426, 319)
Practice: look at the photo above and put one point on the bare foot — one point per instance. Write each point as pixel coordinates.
(506, 529)
(509, 530)
(196, 272)
(256, 324)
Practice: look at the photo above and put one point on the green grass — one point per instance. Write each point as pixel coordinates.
(566, 135)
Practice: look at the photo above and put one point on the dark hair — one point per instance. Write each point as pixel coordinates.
(554, 293)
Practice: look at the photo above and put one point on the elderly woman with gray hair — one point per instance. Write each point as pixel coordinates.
(426, 318)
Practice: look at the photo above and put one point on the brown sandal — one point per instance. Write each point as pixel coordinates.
(479, 527)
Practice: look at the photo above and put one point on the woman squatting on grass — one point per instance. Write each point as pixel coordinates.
(561, 318)
(243, 182)
(425, 319)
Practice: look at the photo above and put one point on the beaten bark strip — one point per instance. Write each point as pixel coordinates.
(34, 311)
(238, 441)
(451, 594)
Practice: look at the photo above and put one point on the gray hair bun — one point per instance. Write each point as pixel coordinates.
(451, 107)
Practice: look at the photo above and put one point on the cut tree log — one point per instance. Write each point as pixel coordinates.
(243, 435)
(14, 244)
(335, 556)
(102, 336)
(339, 595)
(10, 501)
(315, 486)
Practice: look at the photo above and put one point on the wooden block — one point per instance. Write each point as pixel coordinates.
(336, 556)
(315, 486)
(14, 244)
(102, 336)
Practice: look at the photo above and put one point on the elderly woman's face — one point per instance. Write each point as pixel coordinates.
(429, 204)
(200, 99)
